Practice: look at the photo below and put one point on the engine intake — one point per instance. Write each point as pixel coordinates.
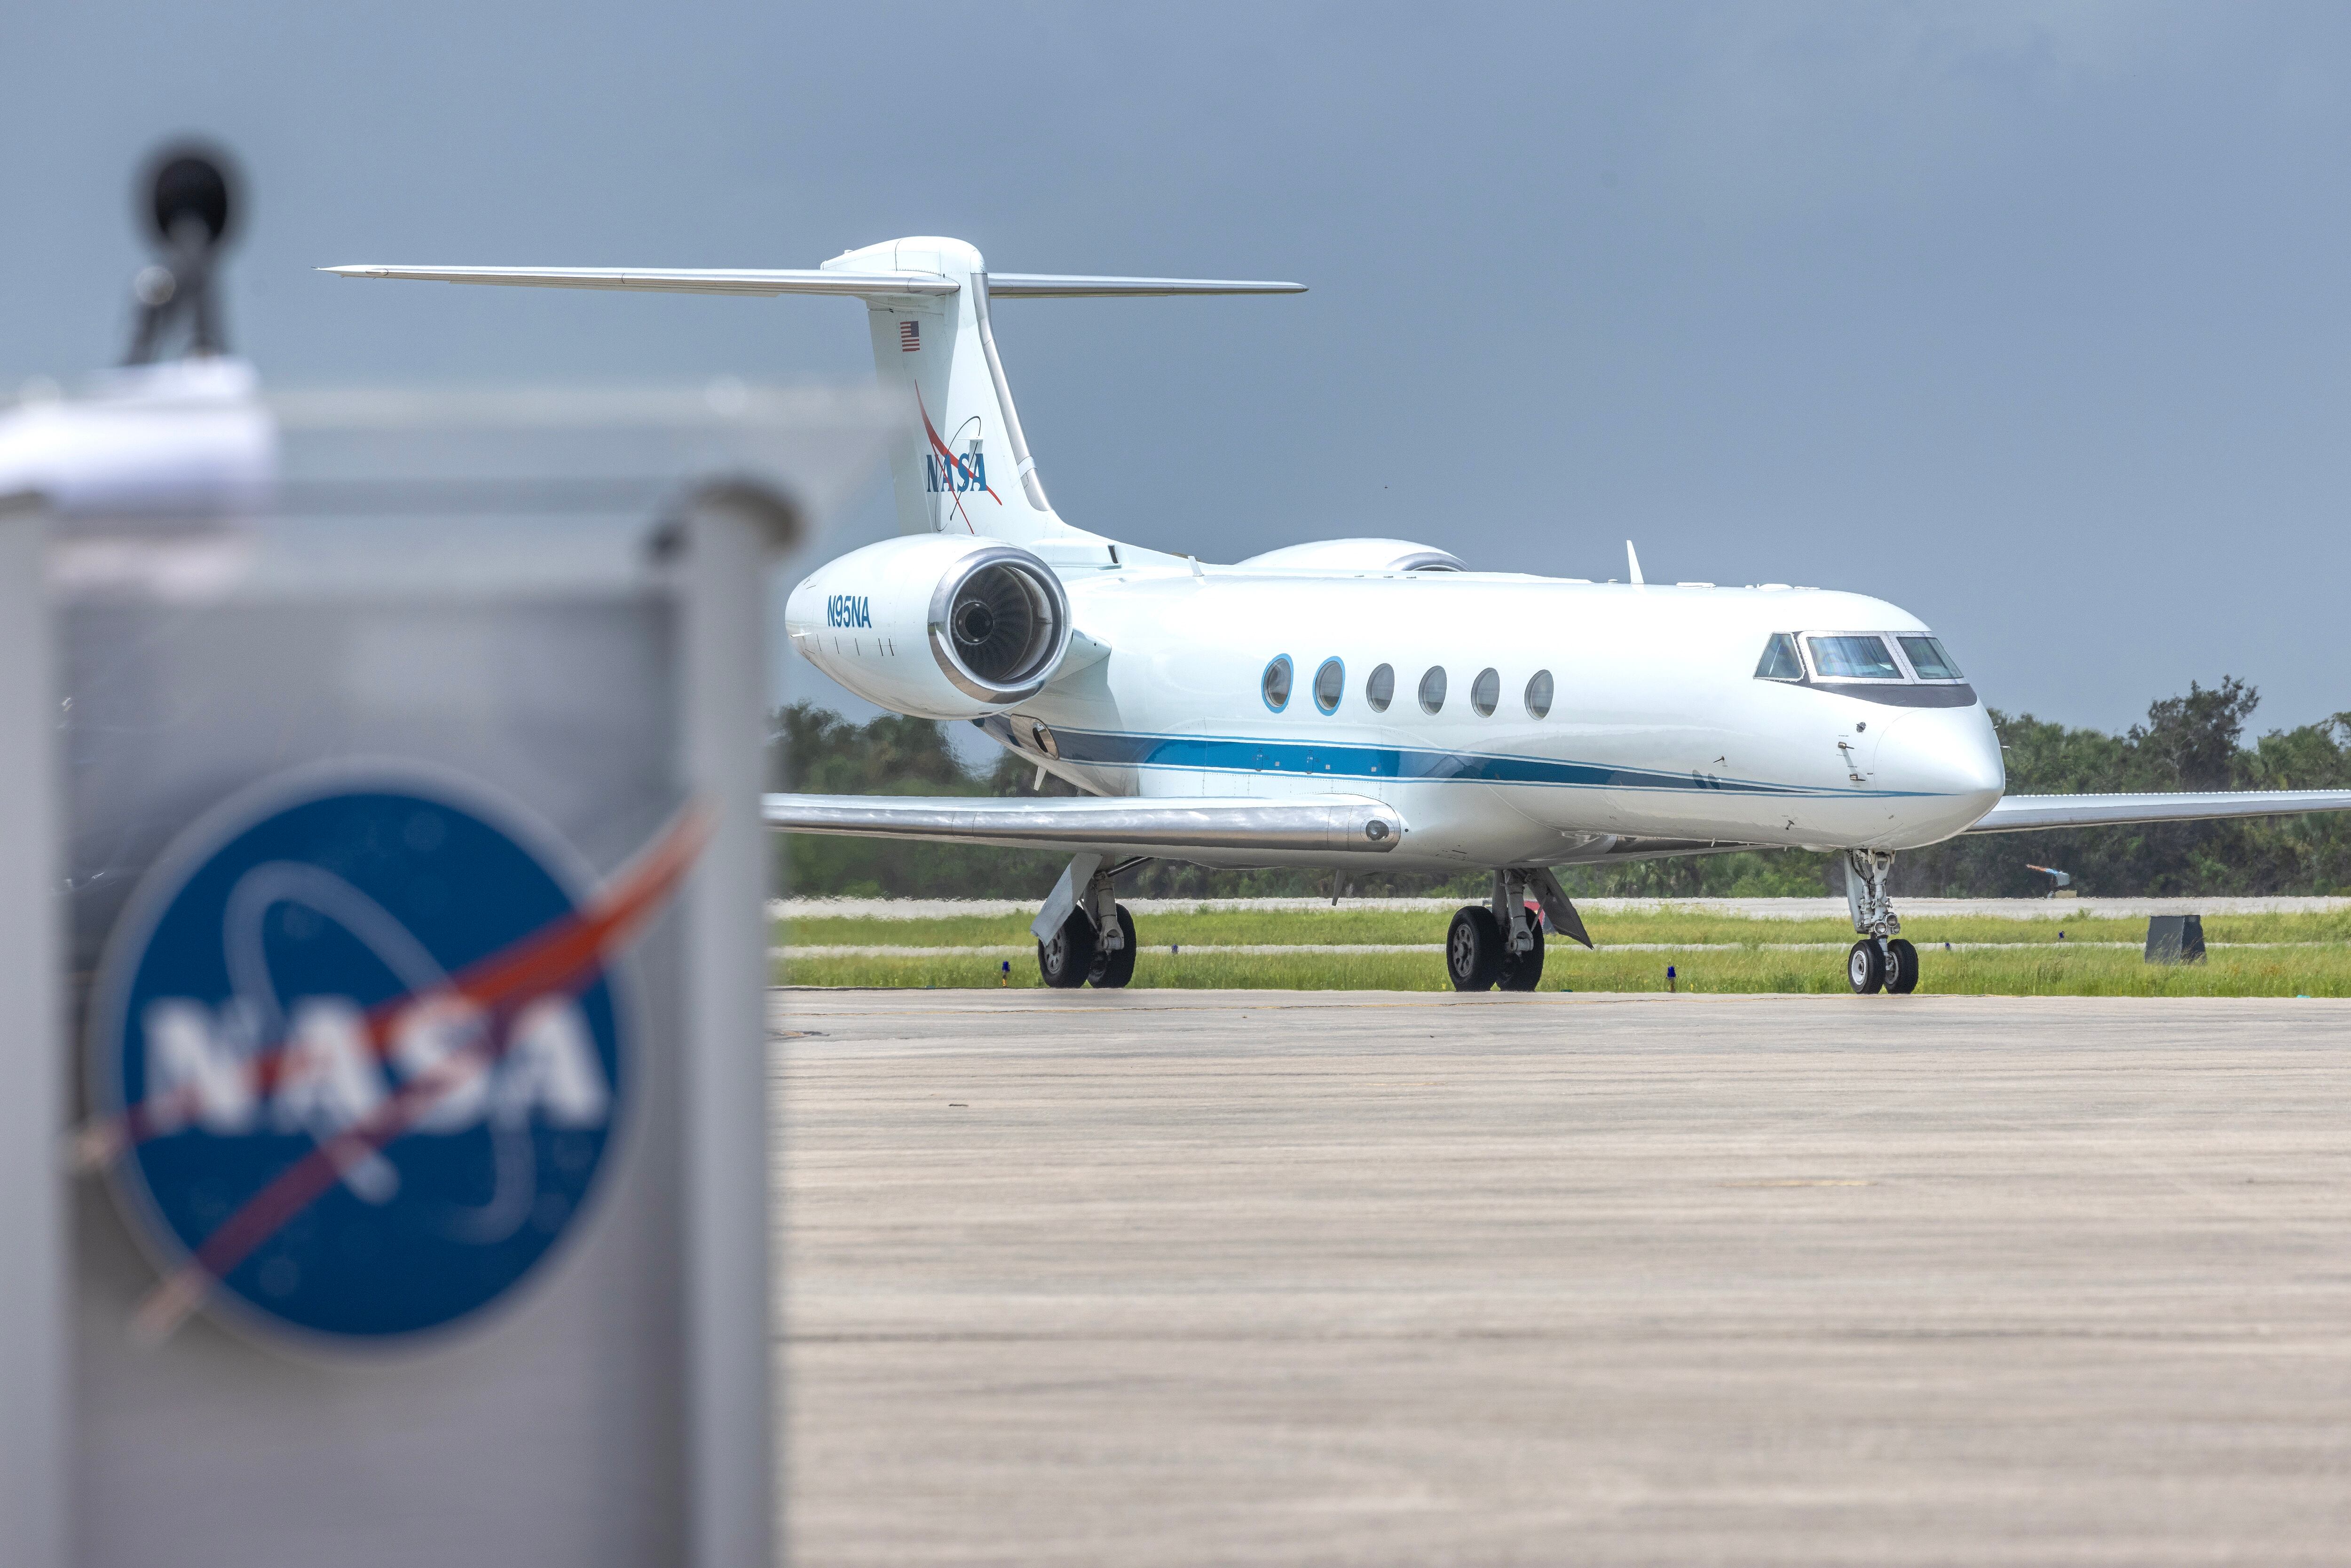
(999, 623)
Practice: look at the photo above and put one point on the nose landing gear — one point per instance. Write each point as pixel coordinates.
(1881, 960)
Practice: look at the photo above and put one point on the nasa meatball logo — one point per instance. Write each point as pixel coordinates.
(357, 1059)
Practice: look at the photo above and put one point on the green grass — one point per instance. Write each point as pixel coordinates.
(1357, 924)
(2028, 961)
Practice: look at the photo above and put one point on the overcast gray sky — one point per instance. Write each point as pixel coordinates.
(2034, 320)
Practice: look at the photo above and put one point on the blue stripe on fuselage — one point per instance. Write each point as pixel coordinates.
(1223, 754)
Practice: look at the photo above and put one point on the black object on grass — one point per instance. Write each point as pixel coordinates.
(2174, 939)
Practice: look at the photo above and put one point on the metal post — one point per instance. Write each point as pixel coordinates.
(33, 1352)
(730, 537)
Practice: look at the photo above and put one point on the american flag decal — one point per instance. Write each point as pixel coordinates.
(910, 336)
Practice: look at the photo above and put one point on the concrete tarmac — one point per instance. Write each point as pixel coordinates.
(1322, 1278)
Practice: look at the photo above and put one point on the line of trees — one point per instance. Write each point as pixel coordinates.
(2192, 742)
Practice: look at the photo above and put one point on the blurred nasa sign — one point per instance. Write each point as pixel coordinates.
(358, 1054)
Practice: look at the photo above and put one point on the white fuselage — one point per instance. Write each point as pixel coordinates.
(1657, 726)
(1136, 674)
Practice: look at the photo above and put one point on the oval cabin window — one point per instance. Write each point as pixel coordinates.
(1380, 690)
(1432, 689)
(1276, 685)
(1330, 681)
(1539, 695)
(1485, 692)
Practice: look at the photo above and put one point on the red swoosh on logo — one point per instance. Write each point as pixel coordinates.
(948, 458)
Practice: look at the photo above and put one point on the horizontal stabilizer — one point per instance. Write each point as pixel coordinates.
(1314, 823)
(673, 280)
(1044, 286)
(927, 299)
(786, 280)
(2022, 813)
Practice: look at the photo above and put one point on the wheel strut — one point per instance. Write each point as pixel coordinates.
(1881, 960)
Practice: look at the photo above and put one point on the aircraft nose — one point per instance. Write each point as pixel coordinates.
(1952, 752)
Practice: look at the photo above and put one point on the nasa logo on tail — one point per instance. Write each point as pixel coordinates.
(357, 1062)
(952, 474)
(968, 472)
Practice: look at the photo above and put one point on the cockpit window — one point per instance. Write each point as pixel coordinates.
(1779, 662)
(1854, 659)
(1927, 657)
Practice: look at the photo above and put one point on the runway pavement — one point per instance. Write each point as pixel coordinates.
(1264, 1277)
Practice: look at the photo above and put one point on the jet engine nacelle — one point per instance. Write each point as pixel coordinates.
(934, 625)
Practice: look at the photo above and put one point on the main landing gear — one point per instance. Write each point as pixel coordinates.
(1881, 960)
(1501, 945)
(1084, 936)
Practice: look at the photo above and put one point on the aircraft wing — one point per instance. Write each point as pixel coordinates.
(671, 281)
(2020, 813)
(1309, 824)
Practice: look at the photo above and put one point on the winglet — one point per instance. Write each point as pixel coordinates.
(1632, 563)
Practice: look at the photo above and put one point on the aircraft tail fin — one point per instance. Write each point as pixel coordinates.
(970, 468)
(967, 468)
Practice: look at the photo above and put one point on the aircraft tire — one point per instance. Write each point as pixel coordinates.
(1112, 970)
(1523, 971)
(1473, 949)
(1901, 968)
(1066, 961)
(1865, 967)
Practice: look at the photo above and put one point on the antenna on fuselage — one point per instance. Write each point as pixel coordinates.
(1633, 563)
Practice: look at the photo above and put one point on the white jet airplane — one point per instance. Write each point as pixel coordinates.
(1356, 702)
